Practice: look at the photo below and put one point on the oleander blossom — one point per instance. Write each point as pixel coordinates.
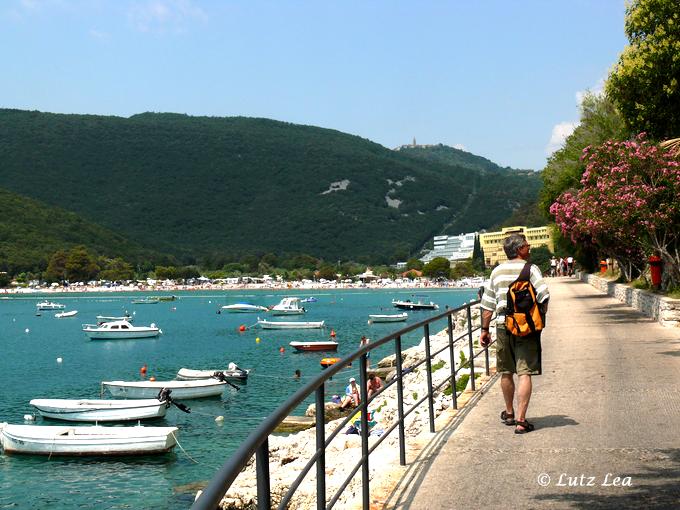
(628, 205)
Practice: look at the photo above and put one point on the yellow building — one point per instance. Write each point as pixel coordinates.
(492, 242)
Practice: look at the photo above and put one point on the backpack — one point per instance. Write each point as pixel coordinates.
(523, 315)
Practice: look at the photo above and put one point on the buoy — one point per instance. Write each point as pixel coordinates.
(282, 350)
(327, 362)
(29, 417)
(27, 330)
(59, 360)
(241, 328)
(219, 419)
(257, 340)
(332, 333)
(152, 378)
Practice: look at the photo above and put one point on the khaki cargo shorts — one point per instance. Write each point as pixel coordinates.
(519, 355)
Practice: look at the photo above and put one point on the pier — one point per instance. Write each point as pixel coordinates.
(605, 409)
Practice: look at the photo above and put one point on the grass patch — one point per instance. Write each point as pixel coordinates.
(641, 283)
(438, 365)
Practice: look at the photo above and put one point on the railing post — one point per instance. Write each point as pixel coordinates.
(428, 368)
(320, 446)
(454, 395)
(365, 490)
(471, 359)
(262, 473)
(486, 349)
(400, 401)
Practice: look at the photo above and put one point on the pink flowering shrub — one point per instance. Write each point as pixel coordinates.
(628, 205)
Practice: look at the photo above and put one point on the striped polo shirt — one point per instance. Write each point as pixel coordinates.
(496, 289)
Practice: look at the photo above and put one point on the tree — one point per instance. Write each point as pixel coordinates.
(438, 267)
(644, 84)
(462, 269)
(327, 272)
(414, 263)
(81, 266)
(56, 267)
(116, 269)
(540, 255)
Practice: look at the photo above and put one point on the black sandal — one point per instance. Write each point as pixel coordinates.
(508, 418)
(526, 427)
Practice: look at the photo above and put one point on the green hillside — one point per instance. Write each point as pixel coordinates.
(30, 232)
(204, 187)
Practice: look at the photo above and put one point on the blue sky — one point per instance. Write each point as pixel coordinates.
(497, 78)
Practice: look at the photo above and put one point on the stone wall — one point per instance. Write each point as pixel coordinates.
(662, 309)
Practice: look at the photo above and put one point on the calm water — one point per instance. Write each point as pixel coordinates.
(194, 336)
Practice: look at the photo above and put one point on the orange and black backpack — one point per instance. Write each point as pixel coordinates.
(523, 315)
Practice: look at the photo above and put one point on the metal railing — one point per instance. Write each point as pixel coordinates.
(257, 442)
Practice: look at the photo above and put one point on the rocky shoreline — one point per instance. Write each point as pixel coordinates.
(290, 453)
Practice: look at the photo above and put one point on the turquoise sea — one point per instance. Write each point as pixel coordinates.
(194, 336)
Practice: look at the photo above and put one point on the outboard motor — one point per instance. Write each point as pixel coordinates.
(164, 395)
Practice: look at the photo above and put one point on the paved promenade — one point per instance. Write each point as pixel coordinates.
(607, 415)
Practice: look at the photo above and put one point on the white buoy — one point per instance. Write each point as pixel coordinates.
(27, 330)
(219, 419)
(209, 302)
(29, 417)
(59, 360)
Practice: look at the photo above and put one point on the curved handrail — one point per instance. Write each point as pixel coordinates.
(257, 441)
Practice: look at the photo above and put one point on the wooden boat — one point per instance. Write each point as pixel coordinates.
(117, 330)
(265, 324)
(396, 317)
(288, 306)
(100, 410)
(61, 315)
(49, 305)
(145, 301)
(327, 362)
(197, 388)
(232, 373)
(414, 305)
(326, 345)
(244, 308)
(86, 440)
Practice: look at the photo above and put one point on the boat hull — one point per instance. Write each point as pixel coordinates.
(62, 315)
(244, 308)
(90, 410)
(187, 374)
(289, 325)
(401, 317)
(91, 441)
(408, 305)
(314, 346)
(121, 335)
(181, 390)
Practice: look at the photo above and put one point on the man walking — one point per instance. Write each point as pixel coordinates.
(514, 355)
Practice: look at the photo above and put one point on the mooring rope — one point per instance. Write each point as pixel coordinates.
(182, 448)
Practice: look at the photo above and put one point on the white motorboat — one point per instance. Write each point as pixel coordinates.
(100, 410)
(265, 324)
(244, 308)
(198, 388)
(394, 317)
(86, 440)
(288, 306)
(61, 315)
(414, 305)
(49, 305)
(109, 318)
(119, 330)
(325, 345)
(232, 373)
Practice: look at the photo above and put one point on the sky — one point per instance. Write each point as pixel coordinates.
(498, 78)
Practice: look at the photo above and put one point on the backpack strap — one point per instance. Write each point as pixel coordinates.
(525, 273)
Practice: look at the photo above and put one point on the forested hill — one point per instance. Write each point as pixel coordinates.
(30, 232)
(215, 188)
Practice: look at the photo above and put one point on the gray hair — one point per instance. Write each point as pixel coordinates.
(512, 244)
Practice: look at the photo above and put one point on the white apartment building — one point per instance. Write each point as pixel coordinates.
(453, 248)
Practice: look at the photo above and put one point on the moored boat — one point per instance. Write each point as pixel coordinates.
(244, 308)
(288, 306)
(327, 345)
(327, 362)
(145, 301)
(395, 317)
(119, 330)
(265, 324)
(61, 315)
(86, 440)
(49, 305)
(198, 388)
(100, 410)
(414, 305)
(109, 318)
(232, 373)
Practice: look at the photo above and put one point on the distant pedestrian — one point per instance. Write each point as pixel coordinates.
(553, 266)
(514, 355)
(570, 265)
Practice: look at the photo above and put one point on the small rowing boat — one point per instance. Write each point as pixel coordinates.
(395, 317)
(265, 324)
(61, 315)
(198, 388)
(327, 345)
(101, 410)
(414, 305)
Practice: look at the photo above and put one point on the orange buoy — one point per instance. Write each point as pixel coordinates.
(282, 350)
(152, 378)
(327, 362)
(332, 333)
(241, 328)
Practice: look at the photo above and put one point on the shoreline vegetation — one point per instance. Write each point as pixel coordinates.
(289, 453)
